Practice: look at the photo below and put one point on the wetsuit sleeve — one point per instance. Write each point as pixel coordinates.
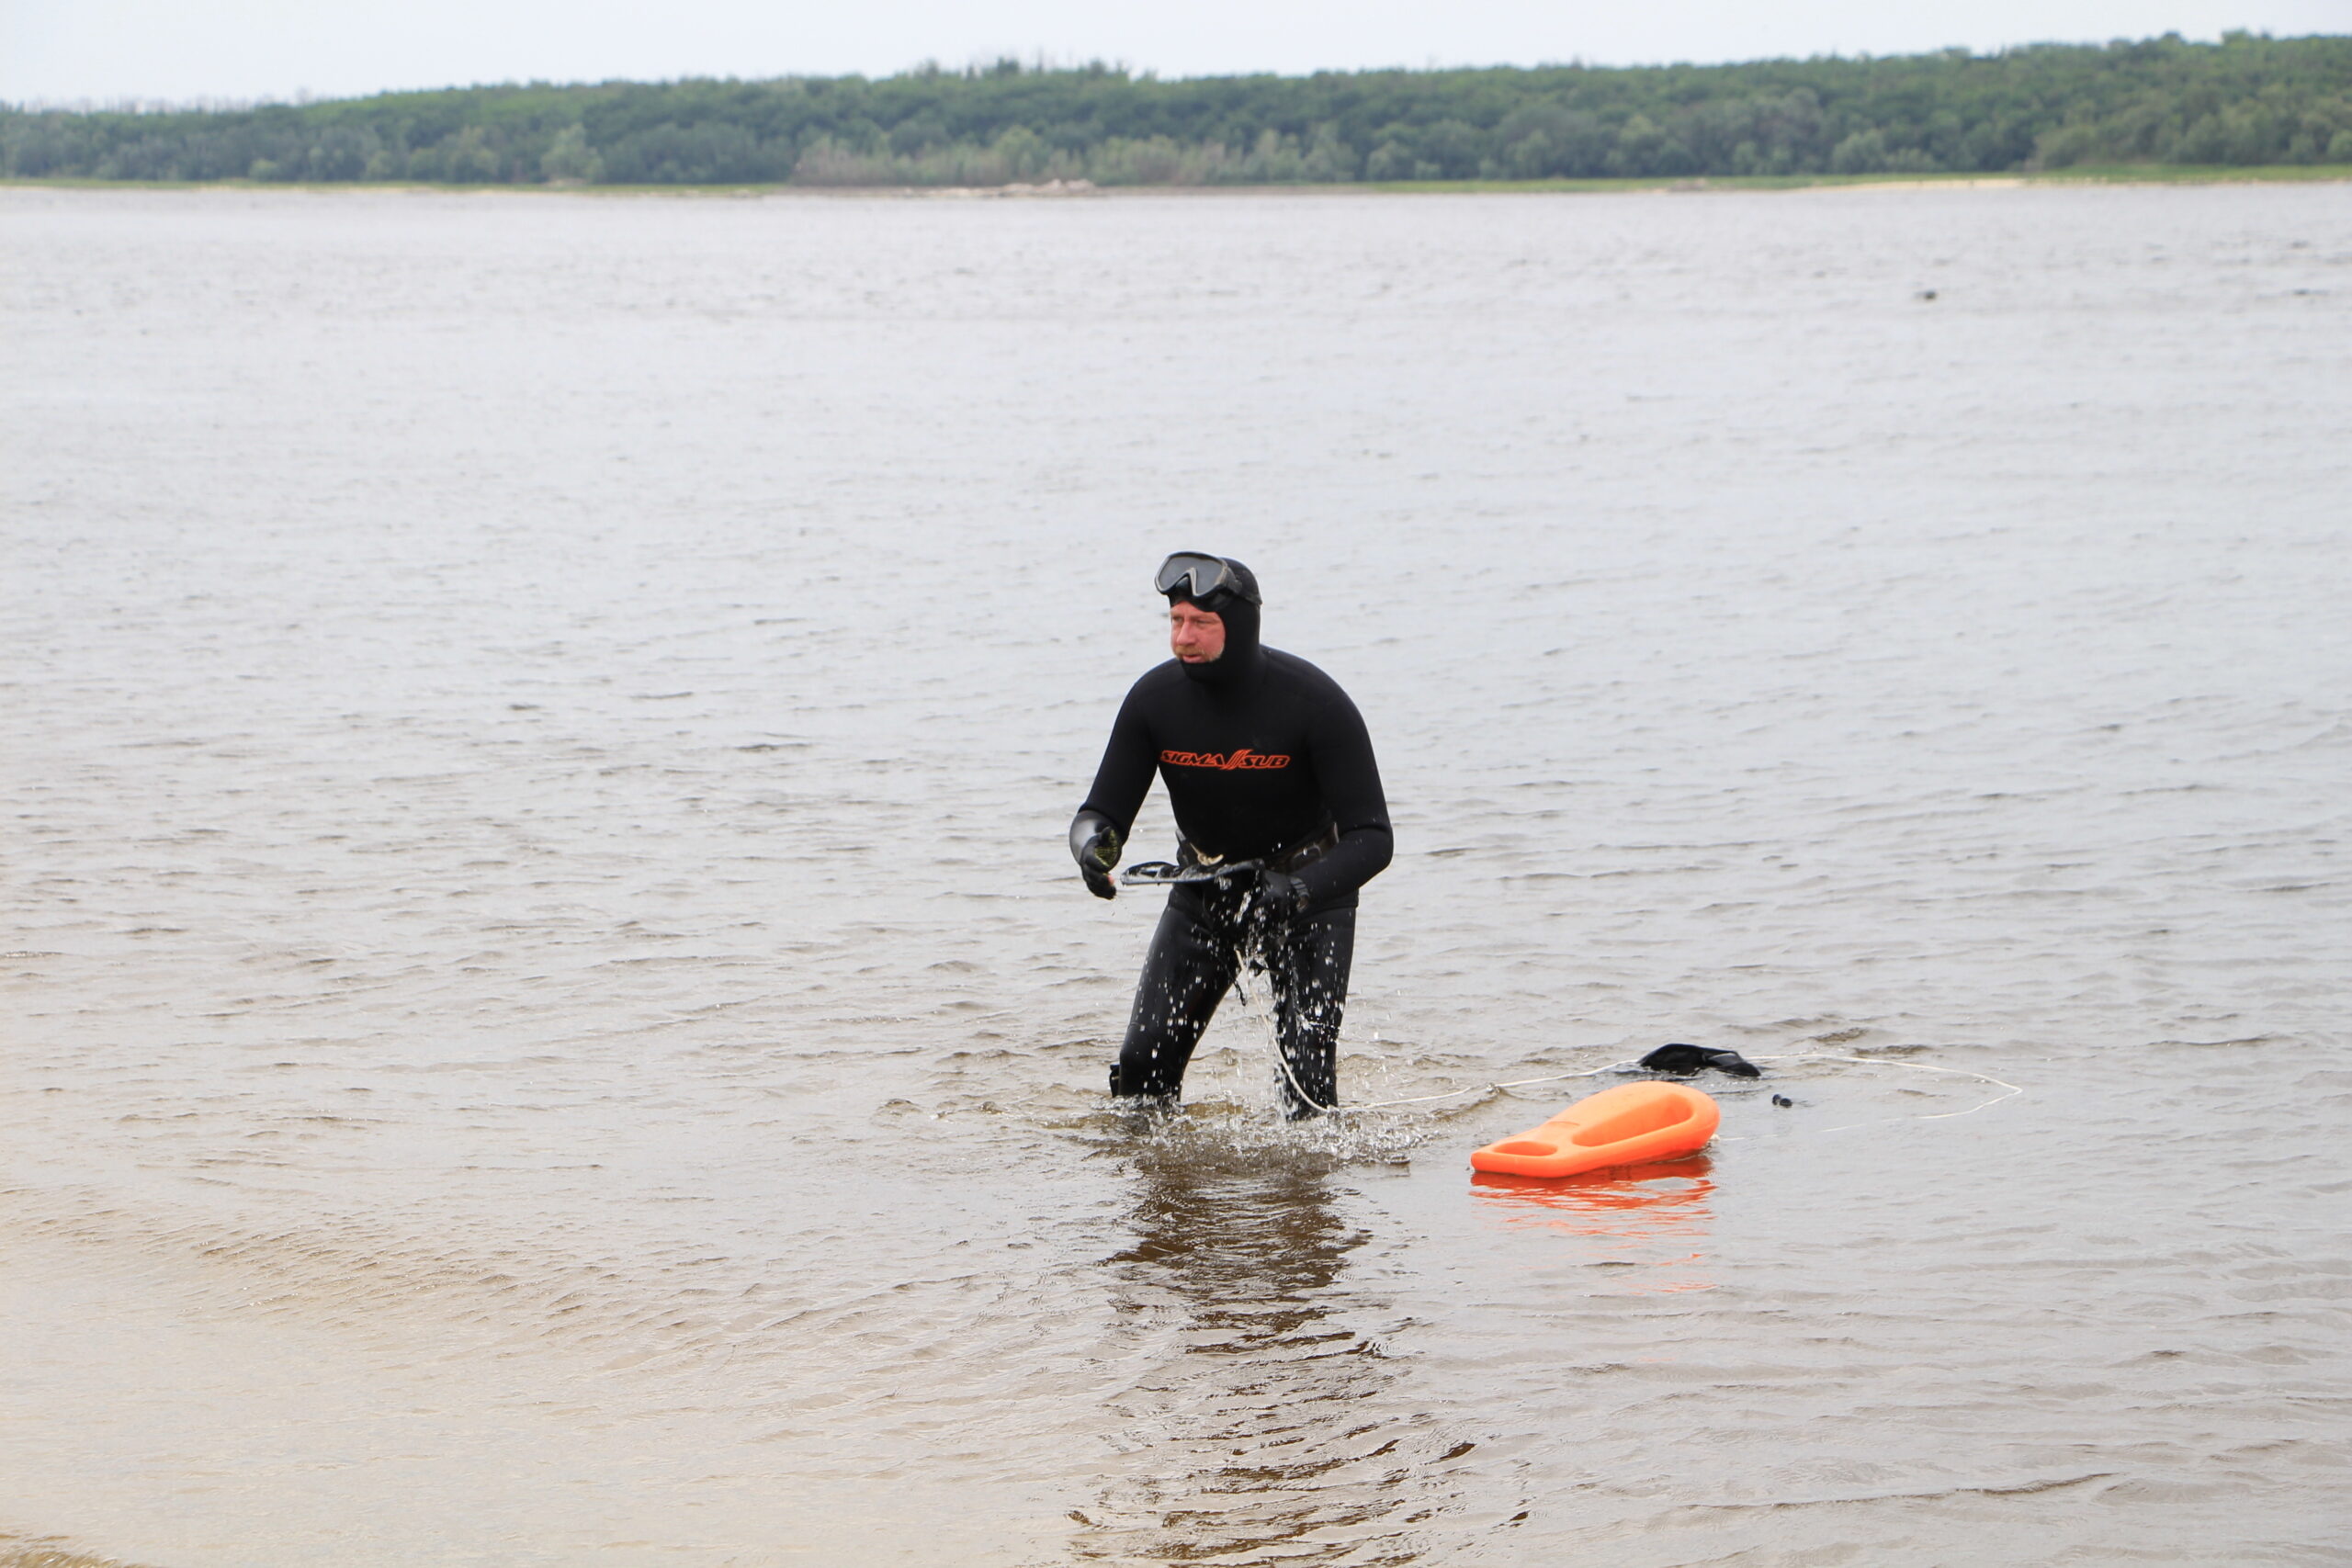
(1350, 779)
(1128, 763)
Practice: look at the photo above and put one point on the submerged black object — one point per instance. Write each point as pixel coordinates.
(1691, 1058)
(1782, 1101)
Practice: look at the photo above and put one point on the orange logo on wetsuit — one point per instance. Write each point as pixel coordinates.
(1225, 762)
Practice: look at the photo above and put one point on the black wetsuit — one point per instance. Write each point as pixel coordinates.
(1264, 757)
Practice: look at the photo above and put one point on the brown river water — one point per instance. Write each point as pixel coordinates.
(547, 1018)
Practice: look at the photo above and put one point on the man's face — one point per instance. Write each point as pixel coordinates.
(1194, 635)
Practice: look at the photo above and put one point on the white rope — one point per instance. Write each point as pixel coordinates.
(1254, 946)
(1274, 1034)
(1281, 1059)
(1491, 1088)
(2010, 1090)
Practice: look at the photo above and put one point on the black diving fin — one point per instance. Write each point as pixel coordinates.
(1692, 1059)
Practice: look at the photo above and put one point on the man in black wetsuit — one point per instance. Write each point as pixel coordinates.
(1265, 760)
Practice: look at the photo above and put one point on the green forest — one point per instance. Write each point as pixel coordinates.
(2246, 100)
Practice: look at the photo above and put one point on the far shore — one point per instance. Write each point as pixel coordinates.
(1057, 191)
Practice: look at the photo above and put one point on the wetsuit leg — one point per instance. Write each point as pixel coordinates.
(1192, 962)
(1308, 963)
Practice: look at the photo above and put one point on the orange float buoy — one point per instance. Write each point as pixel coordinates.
(1631, 1125)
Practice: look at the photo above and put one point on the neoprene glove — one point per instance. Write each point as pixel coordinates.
(1094, 844)
(1281, 895)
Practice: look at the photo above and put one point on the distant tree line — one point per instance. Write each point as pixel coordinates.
(2246, 100)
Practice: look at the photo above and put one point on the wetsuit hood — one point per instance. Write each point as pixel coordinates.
(1243, 655)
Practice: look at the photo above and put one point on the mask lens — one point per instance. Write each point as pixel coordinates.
(1195, 575)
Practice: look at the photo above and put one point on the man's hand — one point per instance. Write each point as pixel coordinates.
(1281, 895)
(1094, 844)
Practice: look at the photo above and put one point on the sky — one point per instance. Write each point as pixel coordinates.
(72, 51)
